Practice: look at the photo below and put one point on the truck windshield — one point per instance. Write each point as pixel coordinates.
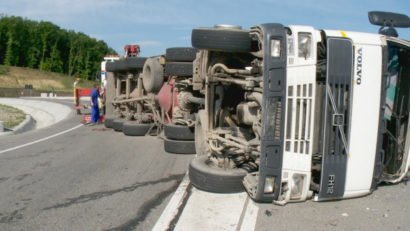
(396, 115)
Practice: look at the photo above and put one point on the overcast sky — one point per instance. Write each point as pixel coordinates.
(158, 24)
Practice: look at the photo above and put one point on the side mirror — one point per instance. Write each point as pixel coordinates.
(389, 20)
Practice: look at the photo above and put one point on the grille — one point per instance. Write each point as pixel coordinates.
(298, 125)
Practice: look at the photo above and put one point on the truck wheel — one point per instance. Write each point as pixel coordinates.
(132, 128)
(179, 69)
(116, 66)
(221, 39)
(180, 54)
(179, 132)
(135, 63)
(207, 177)
(117, 124)
(110, 66)
(201, 123)
(153, 75)
(179, 146)
(108, 122)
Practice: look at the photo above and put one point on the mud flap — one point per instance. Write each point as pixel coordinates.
(335, 151)
(273, 124)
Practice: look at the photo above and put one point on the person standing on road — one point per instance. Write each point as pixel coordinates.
(95, 112)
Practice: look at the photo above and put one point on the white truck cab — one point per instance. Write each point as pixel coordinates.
(103, 70)
(331, 108)
(356, 106)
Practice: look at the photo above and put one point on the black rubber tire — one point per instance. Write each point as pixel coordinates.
(180, 54)
(179, 132)
(116, 66)
(153, 75)
(132, 128)
(117, 124)
(214, 179)
(179, 146)
(135, 63)
(201, 124)
(127, 64)
(110, 66)
(221, 39)
(108, 122)
(179, 69)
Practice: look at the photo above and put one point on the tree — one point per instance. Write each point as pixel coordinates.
(56, 64)
(10, 55)
(46, 46)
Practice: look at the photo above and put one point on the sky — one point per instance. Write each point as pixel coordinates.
(158, 24)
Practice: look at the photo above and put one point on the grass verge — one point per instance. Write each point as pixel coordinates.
(11, 116)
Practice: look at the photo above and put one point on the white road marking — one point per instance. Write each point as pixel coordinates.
(171, 210)
(251, 214)
(211, 211)
(208, 211)
(40, 140)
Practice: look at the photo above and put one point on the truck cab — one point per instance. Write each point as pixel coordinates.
(299, 113)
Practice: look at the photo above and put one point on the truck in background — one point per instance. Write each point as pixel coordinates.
(151, 95)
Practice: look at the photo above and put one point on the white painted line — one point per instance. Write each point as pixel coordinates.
(171, 210)
(211, 211)
(251, 214)
(40, 140)
(205, 211)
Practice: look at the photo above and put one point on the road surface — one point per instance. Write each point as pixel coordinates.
(88, 178)
(73, 177)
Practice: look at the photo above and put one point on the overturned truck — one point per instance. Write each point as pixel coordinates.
(151, 95)
(293, 113)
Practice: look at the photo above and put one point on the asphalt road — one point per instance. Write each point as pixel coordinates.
(86, 179)
(92, 178)
(387, 208)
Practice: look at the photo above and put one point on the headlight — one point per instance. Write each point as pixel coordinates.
(275, 48)
(297, 187)
(291, 49)
(269, 184)
(305, 45)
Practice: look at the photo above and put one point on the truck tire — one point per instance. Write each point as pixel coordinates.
(179, 69)
(110, 66)
(201, 123)
(214, 179)
(116, 66)
(108, 122)
(117, 124)
(132, 128)
(221, 39)
(179, 146)
(179, 132)
(180, 54)
(135, 63)
(153, 75)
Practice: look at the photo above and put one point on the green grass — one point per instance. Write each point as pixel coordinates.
(11, 116)
(4, 70)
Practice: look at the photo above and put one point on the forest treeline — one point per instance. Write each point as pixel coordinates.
(45, 46)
